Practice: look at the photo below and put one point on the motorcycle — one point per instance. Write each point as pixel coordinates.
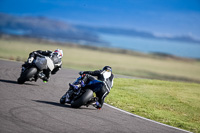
(35, 70)
(78, 98)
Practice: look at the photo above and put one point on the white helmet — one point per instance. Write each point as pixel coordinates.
(59, 53)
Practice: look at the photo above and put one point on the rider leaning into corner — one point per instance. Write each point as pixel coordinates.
(101, 86)
(56, 57)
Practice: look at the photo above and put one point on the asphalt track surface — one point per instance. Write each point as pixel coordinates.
(34, 107)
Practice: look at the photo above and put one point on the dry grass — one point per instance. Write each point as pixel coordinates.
(86, 59)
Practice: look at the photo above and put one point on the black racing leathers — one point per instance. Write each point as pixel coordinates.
(102, 88)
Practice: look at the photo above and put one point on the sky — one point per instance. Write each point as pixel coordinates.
(160, 17)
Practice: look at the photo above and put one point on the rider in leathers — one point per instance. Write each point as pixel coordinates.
(56, 57)
(101, 86)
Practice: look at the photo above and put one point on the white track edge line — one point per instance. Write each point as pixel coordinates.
(145, 118)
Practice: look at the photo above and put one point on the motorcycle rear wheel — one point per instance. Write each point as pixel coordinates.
(26, 75)
(83, 99)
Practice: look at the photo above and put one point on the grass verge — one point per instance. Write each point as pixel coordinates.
(173, 103)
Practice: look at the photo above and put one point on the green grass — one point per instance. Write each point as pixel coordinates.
(172, 103)
(86, 59)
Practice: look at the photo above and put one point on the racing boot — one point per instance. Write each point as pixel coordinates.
(43, 77)
(96, 105)
(92, 101)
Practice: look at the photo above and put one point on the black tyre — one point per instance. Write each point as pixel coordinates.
(20, 80)
(62, 100)
(83, 99)
(25, 76)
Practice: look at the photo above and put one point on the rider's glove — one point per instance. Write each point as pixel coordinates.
(81, 73)
(75, 87)
(30, 60)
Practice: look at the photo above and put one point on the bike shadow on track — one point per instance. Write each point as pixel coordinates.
(60, 105)
(15, 82)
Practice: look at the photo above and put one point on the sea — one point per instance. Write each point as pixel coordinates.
(146, 45)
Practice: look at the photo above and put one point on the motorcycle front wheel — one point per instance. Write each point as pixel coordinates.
(62, 100)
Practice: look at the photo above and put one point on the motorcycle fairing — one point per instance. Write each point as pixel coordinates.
(44, 63)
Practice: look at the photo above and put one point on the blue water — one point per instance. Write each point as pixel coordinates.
(182, 49)
(15, 32)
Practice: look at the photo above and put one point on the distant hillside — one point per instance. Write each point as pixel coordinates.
(135, 33)
(45, 28)
(42, 27)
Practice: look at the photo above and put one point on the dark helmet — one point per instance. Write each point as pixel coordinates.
(107, 68)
